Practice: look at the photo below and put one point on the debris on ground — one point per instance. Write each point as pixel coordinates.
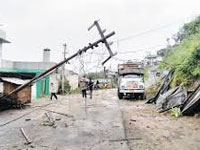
(66, 125)
(174, 97)
(125, 139)
(192, 103)
(28, 141)
(164, 87)
(133, 120)
(58, 119)
(167, 99)
(51, 121)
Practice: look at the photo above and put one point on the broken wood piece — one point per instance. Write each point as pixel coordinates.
(50, 119)
(32, 146)
(58, 119)
(125, 139)
(133, 120)
(54, 126)
(28, 141)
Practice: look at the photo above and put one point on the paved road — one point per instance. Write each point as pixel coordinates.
(99, 126)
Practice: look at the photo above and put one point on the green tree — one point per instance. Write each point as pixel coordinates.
(67, 87)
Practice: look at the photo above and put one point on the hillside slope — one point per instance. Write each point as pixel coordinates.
(185, 56)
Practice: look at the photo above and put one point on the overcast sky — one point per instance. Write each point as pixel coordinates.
(141, 26)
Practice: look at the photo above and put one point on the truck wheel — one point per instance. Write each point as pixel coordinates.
(143, 96)
(120, 95)
(132, 96)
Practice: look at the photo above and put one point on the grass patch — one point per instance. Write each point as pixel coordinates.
(185, 58)
(76, 91)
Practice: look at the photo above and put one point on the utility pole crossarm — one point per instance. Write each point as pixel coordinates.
(101, 32)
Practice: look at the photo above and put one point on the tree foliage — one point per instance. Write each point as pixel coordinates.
(67, 87)
(185, 56)
(188, 29)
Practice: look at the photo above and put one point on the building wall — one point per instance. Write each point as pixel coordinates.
(72, 78)
(23, 96)
(7, 64)
(33, 65)
(2, 38)
(73, 81)
(2, 34)
(34, 92)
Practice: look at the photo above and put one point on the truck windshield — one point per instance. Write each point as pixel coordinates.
(132, 76)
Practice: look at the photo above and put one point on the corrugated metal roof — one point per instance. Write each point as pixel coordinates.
(14, 80)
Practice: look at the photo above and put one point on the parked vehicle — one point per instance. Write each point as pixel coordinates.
(131, 80)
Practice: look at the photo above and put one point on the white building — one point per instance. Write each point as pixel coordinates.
(2, 41)
(27, 70)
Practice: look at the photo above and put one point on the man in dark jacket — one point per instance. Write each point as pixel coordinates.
(90, 87)
(83, 86)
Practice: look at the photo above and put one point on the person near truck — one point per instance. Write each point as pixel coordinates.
(83, 86)
(97, 85)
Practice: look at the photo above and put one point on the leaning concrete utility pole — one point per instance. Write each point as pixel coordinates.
(101, 32)
(63, 69)
(42, 75)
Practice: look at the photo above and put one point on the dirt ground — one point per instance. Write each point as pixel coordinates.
(101, 123)
(158, 131)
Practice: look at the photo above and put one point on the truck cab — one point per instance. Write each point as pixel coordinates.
(131, 81)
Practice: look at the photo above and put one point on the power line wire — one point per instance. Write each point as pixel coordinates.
(153, 29)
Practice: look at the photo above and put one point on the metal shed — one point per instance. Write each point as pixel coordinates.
(9, 84)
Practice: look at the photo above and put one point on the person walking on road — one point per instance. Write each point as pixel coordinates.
(90, 86)
(83, 88)
(97, 85)
(53, 92)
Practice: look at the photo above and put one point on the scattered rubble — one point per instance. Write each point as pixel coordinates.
(133, 120)
(58, 119)
(174, 97)
(164, 87)
(51, 121)
(177, 97)
(192, 103)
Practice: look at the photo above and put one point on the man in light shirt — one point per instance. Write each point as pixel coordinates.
(53, 92)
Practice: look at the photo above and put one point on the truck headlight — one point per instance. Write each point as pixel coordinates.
(122, 87)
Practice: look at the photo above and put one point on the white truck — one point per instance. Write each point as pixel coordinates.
(131, 80)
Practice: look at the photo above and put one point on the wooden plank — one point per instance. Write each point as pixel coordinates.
(28, 141)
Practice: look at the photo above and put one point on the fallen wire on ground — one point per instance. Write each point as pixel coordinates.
(63, 114)
(17, 118)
